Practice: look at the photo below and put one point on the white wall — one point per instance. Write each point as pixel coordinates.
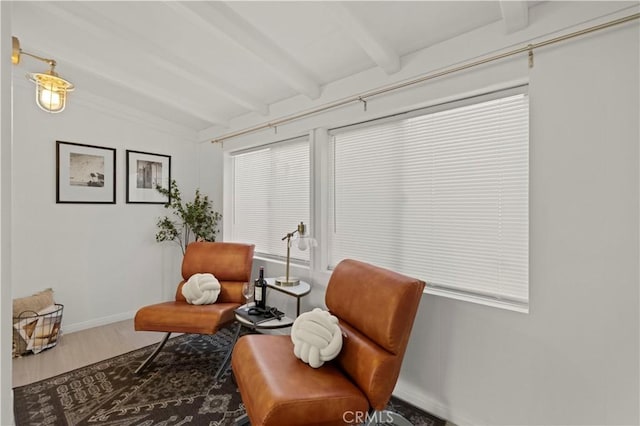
(210, 177)
(101, 260)
(574, 358)
(6, 394)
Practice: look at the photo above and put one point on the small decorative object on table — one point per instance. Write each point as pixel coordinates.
(257, 315)
(260, 290)
(247, 291)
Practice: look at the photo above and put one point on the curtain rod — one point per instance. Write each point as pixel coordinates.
(362, 97)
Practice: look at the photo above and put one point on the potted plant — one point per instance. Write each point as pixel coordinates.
(194, 221)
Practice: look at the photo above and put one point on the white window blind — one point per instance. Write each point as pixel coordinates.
(270, 193)
(441, 194)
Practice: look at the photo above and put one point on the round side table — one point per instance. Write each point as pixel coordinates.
(270, 324)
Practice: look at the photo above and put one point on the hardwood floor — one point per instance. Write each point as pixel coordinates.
(79, 349)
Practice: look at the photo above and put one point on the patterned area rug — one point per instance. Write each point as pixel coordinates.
(177, 389)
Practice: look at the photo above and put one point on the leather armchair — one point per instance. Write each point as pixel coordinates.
(376, 310)
(231, 264)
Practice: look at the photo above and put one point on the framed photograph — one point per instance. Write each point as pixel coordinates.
(85, 173)
(145, 171)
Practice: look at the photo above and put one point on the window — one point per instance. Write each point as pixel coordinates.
(270, 195)
(440, 194)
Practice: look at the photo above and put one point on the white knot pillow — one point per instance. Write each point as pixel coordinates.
(316, 337)
(201, 289)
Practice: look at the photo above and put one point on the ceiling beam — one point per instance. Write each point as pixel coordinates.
(114, 74)
(104, 26)
(377, 49)
(220, 19)
(515, 15)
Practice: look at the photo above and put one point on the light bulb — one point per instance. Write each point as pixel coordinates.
(49, 99)
(302, 243)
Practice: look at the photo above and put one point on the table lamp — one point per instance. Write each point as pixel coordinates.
(304, 241)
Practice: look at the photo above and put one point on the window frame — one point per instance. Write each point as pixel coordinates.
(229, 191)
(452, 293)
(319, 137)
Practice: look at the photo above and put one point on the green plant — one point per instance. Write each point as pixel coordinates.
(194, 221)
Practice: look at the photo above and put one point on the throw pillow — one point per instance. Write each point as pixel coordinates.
(316, 337)
(201, 289)
(32, 304)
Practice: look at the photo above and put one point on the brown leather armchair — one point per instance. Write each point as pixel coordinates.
(376, 309)
(231, 264)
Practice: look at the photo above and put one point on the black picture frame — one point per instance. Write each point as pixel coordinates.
(144, 171)
(85, 174)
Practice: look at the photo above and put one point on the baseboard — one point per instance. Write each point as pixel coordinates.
(11, 414)
(416, 396)
(70, 328)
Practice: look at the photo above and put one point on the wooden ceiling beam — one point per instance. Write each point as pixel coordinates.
(377, 49)
(93, 65)
(220, 19)
(104, 27)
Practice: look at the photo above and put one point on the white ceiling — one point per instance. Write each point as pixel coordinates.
(201, 64)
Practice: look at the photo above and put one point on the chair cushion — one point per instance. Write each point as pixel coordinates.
(279, 389)
(181, 317)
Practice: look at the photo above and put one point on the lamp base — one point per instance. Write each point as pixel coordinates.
(282, 281)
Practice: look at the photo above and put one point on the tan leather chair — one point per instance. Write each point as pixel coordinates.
(231, 264)
(376, 309)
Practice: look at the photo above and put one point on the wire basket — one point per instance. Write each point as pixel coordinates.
(36, 331)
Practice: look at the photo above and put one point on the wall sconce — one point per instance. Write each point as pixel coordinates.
(304, 242)
(51, 89)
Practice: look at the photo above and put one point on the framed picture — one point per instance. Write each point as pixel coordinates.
(85, 174)
(146, 171)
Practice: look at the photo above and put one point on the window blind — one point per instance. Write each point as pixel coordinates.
(441, 195)
(270, 196)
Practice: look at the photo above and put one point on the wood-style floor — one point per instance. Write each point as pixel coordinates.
(81, 348)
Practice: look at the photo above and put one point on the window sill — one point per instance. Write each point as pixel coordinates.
(278, 261)
(478, 299)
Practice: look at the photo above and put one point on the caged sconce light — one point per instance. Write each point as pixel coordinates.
(51, 89)
(304, 241)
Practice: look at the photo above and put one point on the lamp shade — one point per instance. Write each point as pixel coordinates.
(51, 90)
(305, 241)
(302, 244)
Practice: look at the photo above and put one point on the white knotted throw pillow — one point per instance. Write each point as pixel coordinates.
(201, 289)
(316, 337)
